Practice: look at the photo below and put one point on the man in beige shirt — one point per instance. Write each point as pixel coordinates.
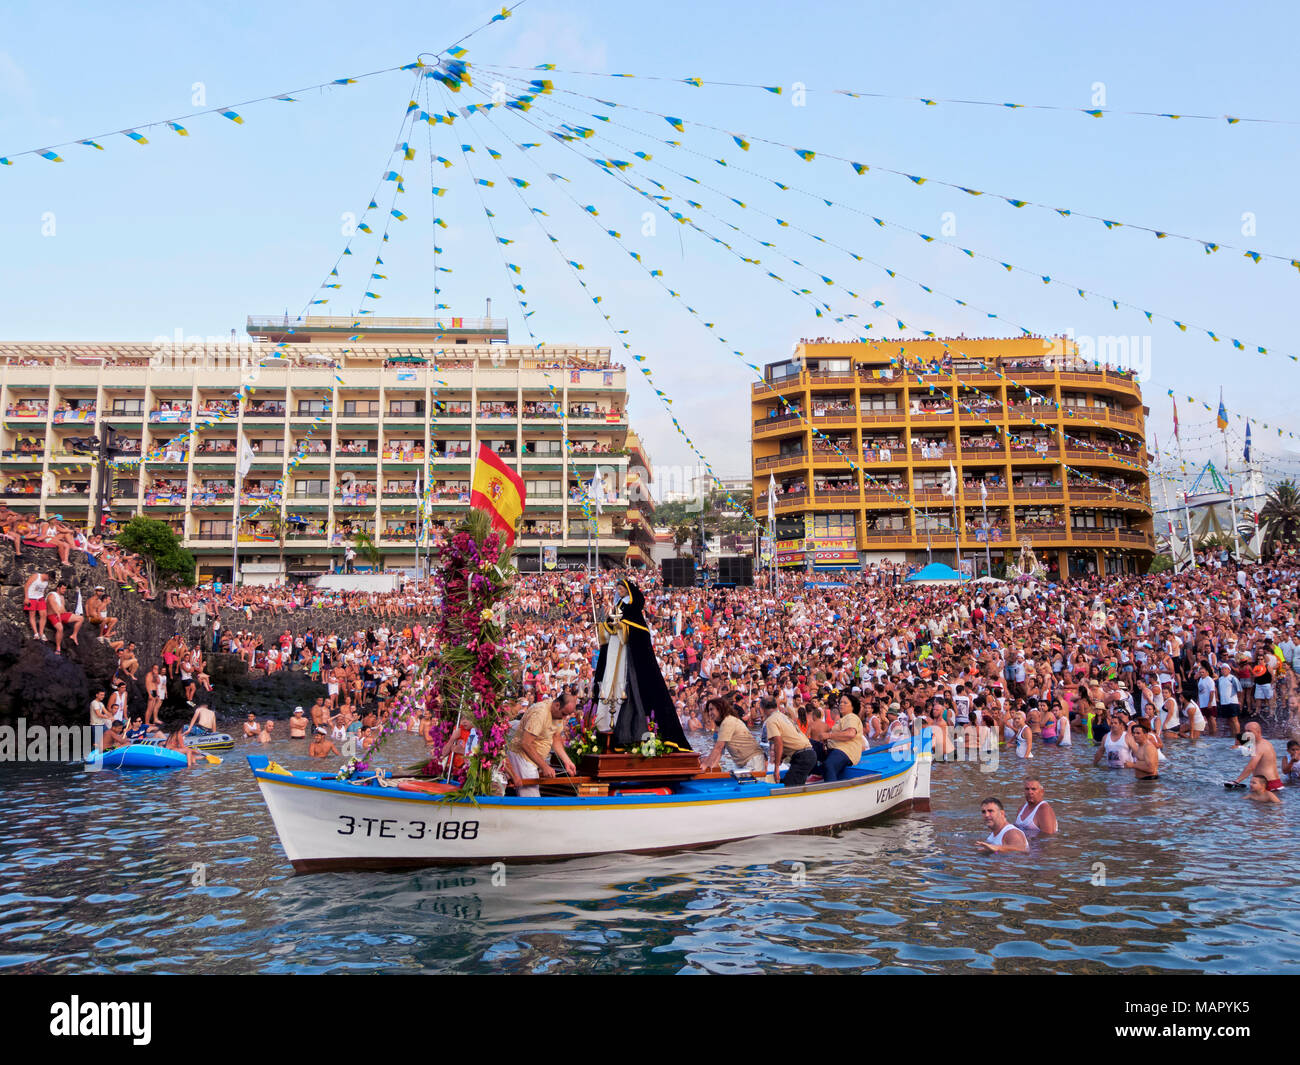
(539, 735)
(786, 739)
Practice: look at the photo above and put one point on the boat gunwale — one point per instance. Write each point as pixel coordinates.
(589, 802)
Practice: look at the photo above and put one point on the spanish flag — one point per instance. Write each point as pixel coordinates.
(498, 490)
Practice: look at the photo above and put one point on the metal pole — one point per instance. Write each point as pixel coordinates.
(1187, 512)
(929, 557)
(988, 556)
(234, 558)
(1232, 497)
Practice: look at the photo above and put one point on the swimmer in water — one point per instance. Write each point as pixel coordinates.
(1036, 817)
(1146, 760)
(1003, 835)
(1259, 790)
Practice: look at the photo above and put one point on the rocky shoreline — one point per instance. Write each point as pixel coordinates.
(56, 689)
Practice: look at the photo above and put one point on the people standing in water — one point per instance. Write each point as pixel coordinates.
(1036, 816)
(1146, 758)
(1003, 835)
(1263, 762)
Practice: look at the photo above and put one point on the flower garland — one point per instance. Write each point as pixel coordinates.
(473, 670)
(466, 679)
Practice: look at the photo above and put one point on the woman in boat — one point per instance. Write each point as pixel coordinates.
(845, 743)
(734, 738)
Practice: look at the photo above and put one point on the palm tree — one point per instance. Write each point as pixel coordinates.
(1280, 517)
(368, 549)
(682, 535)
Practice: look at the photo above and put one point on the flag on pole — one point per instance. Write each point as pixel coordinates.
(950, 481)
(245, 459)
(497, 489)
(984, 492)
(1246, 453)
(1175, 399)
(1223, 413)
(595, 492)
(771, 497)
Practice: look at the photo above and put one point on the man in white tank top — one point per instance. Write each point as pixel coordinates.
(1036, 817)
(1003, 835)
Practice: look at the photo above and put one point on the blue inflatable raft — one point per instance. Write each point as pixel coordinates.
(137, 756)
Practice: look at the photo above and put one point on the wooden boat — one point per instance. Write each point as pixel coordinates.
(325, 823)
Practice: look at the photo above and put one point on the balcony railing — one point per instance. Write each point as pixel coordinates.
(776, 462)
(791, 499)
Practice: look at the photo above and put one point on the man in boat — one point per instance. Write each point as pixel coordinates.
(539, 734)
(628, 684)
(787, 740)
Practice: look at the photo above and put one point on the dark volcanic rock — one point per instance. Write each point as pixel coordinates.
(38, 684)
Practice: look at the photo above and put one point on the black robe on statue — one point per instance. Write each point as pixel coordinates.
(647, 697)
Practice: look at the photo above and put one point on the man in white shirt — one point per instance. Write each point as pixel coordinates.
(1229, 691)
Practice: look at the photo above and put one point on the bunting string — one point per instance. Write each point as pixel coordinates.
(928, 101)
(565, 133)
(810, 154)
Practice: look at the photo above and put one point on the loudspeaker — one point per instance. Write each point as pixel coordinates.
(736, 570)
(678, 572)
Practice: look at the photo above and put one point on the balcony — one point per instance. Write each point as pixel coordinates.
(883, 454)
(780, 462)
(791, 499)
(893, 494)
(939, 417)
(993, 495)
(978, 414)
(1043, 535)
(886, 415)
(779, 423)
(1018, 412)
(836, 495)
(934, 453)
(837, 418)
(1093, 536)
(1021, 453)
(931, 495)
(74, 417)
(1045, 493)
(975, 452)
(875, 538)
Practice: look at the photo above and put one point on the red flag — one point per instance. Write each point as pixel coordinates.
(1175, 399)
(497, 489)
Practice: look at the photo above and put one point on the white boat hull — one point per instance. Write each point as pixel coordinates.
(325, 824)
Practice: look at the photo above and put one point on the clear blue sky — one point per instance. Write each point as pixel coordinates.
(194, 233)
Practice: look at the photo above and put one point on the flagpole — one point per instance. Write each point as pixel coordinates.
(984, 508)
(1182, 476)
(234, 558)
(1227, 473)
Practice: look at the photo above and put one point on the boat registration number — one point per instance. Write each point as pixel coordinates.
(396, 828)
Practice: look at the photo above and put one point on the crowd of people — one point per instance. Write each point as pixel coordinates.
(796, 679)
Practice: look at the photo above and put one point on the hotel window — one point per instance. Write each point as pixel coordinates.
(879, 401)
(406, 406)
(312, 406)
(542, 489)
(353, 408)
(127, 406)
(313, 487)
(842, 525)
(213, 529)
(268, 446)
(890, 523)
(125, 486)
(545, 447)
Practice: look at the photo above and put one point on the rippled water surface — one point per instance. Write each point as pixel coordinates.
(97, 871)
